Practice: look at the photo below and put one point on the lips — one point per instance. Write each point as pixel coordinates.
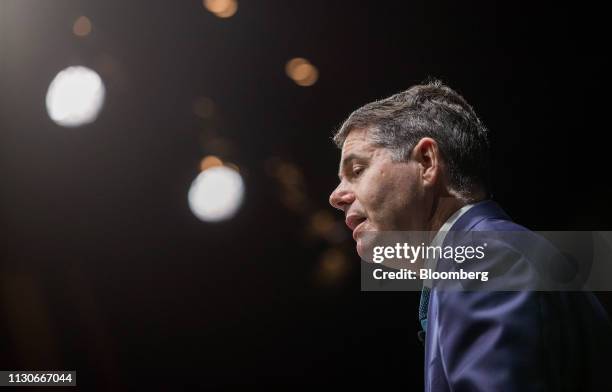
(357, 231)
(354, 222)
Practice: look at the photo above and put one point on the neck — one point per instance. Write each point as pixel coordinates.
(442, 209)
(447, 203)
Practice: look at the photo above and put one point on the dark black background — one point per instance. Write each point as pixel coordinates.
(105, 270)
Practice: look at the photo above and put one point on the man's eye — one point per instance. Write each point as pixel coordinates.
(357, 170)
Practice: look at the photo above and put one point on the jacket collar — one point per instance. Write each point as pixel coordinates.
(481, 210)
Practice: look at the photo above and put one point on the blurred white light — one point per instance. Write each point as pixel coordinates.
(75, 97)
(216, 194)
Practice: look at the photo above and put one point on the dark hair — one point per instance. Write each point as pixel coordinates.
(431, 110)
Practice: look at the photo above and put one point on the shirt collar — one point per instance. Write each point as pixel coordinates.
(445, 228)
(441, 236)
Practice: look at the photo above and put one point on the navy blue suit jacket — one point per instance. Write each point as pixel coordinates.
(514, 340)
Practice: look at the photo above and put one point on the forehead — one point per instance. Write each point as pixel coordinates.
(358, 140)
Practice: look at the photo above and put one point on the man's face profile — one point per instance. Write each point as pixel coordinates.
(376, 192)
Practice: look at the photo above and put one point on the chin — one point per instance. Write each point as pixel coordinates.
(360, 249)
(364, 245)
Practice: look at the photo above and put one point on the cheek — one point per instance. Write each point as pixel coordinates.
(379, 192)
(372, 189)
(389, 194)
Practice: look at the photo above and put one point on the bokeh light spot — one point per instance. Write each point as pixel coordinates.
(302, 72)
(75, 96)
(216, 194)
(81, 26)
(221, 8)
(210, 161)
(333, 267)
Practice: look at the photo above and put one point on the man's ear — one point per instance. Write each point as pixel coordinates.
(427, 154)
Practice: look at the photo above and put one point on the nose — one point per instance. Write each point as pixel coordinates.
(341, 197)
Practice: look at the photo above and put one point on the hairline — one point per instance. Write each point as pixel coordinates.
(344, 132)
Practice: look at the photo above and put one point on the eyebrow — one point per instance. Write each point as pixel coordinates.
(347, 160)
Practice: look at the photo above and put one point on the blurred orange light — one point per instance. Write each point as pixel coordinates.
(322, 222)
(221, 8)
(289, 174)
(293, 64)
(229, 11)
(333, 267)
(210, 161)
(310, 79)
(302, 72)
(82, 26)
